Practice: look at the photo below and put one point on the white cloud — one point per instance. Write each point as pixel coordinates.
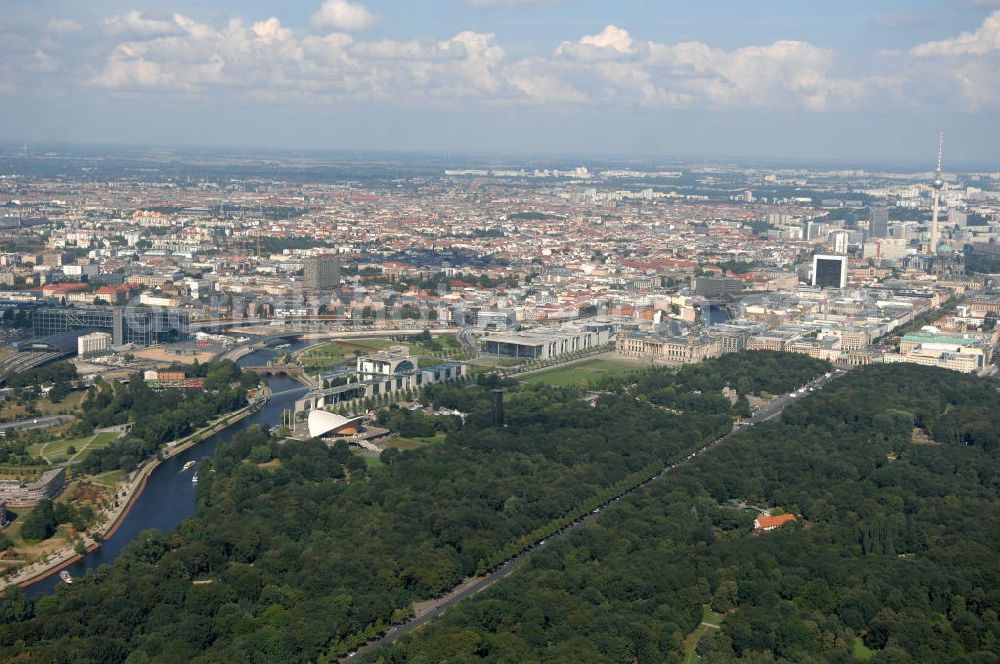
(63, 26)
(983, 40)
(133, 23)
(966, 67)
(786, 74)
(611, 41)
(611, 37)
(265, 60)
(344, 15)
(42, 61)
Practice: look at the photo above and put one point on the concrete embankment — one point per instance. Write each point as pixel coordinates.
(133, 490)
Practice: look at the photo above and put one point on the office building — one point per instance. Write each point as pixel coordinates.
(322, 272)
(829, 271)
(93, 344)
(714, 286)
(878, 225)
(839, 241)
(546, 343)
(21, 493)
(389, 372)
(958, 218)
(127, 325)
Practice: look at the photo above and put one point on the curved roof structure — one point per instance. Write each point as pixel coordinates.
(323, 423)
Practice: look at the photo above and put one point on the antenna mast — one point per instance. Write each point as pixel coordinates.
(937, 185)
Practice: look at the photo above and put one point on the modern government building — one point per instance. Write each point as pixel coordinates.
(388, 372)
(548, 343)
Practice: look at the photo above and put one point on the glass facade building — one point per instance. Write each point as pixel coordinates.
(142, 326)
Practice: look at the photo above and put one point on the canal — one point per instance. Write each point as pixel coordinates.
(170, 495)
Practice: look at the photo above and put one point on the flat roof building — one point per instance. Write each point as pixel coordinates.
(546, 343)
(829, 271)
(93, 344)
(321, 272)
(138, 325)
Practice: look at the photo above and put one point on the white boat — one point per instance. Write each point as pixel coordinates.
(65, 576)
(195, 479)
(187, 466)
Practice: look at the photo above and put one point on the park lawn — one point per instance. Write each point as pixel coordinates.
(57, 451)
(691, 641)
(371, 344)
(110, 479)
(43, 407)
(334, 352)
(578, 375)
(33, 548)
(374, 463)
(861, 652)
(447, 341)
(401, 443)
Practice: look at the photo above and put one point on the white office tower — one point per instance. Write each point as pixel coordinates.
(839, 240)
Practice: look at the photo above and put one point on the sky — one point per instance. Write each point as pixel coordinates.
(851, 81)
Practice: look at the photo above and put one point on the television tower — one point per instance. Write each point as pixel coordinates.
(937, 185)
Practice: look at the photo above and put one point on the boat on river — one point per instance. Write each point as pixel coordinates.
(187, 466)
(65, 577)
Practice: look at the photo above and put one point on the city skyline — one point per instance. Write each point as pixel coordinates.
(874, 82)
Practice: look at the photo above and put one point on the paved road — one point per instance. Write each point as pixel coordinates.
(768, 412)
(467, 340)
(35, 423)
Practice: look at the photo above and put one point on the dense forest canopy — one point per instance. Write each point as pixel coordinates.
(299, 551)
(158, 416)
(895, 555)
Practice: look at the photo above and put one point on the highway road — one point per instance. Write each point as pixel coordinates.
(770, 411)
(468, 340)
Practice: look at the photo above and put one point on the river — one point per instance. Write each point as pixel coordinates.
(170, 495)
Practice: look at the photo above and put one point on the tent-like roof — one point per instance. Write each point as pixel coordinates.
(322, 423)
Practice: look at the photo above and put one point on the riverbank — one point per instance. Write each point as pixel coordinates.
(38, 571)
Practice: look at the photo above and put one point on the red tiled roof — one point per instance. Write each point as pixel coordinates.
(774, 521)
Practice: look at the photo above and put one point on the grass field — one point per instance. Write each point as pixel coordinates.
(57, 451)
(578, 375)
(110, 479)
(708, 618)
(335, 352)
(861, 652)
(372, 344)
(401, 443)
(10, 411)
(372, 461)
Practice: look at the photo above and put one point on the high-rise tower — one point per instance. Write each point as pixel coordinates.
(938, 184)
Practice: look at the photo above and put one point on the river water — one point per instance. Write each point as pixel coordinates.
(170, 495)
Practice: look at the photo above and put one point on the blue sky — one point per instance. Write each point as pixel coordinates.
(851, 81)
